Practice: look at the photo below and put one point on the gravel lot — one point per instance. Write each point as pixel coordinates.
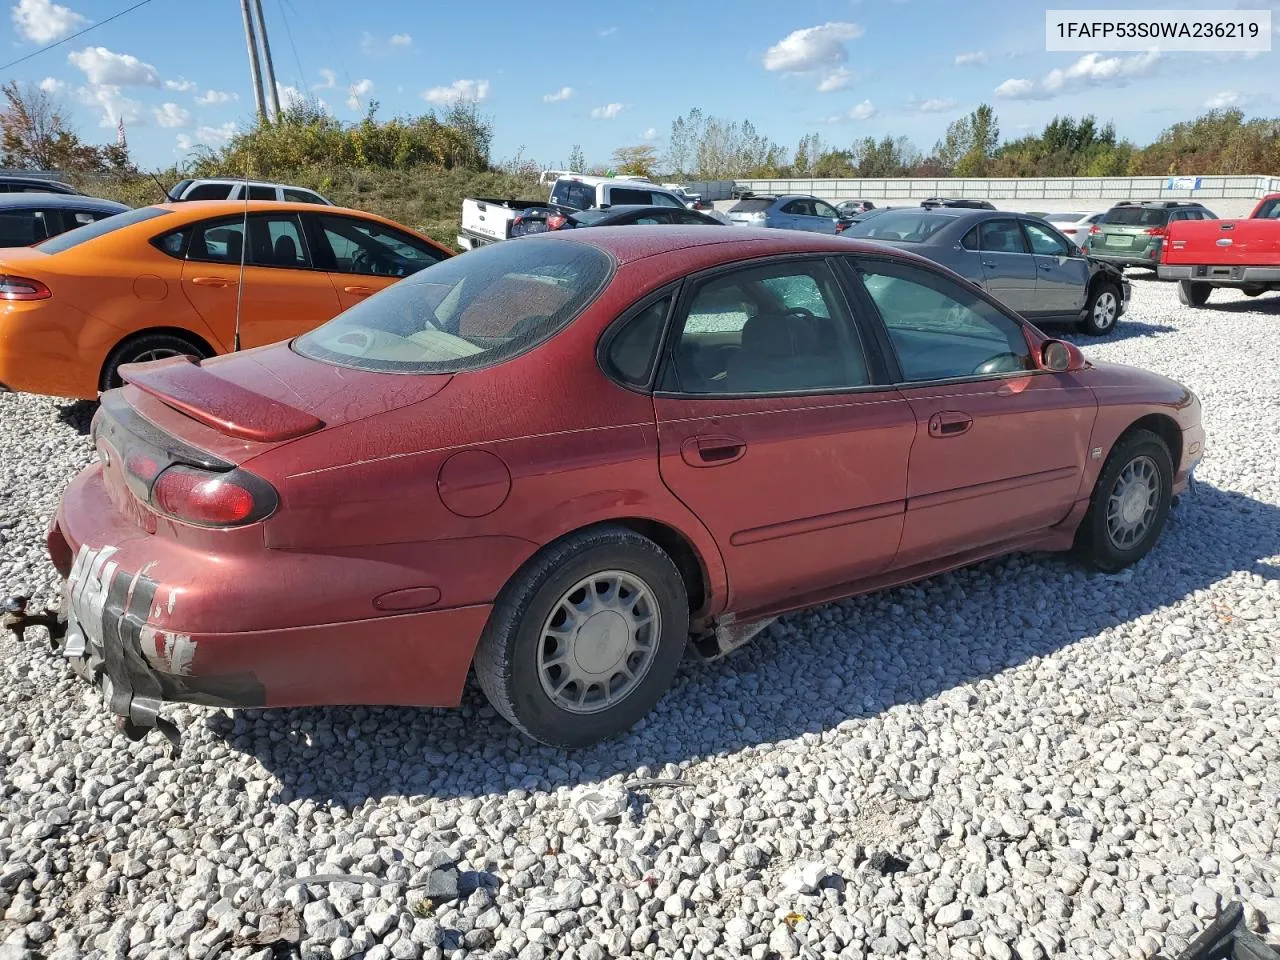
(1023, 758)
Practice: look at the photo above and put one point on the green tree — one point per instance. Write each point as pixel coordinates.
(577, 159)
(37, 135)
(970, 143)
(640, 161)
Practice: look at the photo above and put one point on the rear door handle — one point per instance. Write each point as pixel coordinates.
(214, 282)
(709, 451)
(988, 263)
(359, 291)
(949, 423)
(1046, 266)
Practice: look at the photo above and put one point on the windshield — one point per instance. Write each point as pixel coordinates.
(92, 231)
(1137, 216)
(1270, 210)
(908, 226)
(467, 312)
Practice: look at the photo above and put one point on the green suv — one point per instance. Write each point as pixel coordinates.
(1132, 232)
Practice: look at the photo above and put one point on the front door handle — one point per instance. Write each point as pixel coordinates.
(1046, 266)
(359, 291)
(949, 423)
(214, 282)
(712, 451)
(988, 263)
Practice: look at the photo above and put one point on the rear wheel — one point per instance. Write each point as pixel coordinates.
(585, 640)
(1130, 503)
(1253, 291)
(1102, 310)
(1193, 293)
(145, 347)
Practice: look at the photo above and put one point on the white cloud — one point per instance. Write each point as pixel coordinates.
(608, 112)
(52, 85)
(650, 135)
(208, 136)
(564, 93)
(976, 58)
(937, 105)
(1091, 70)
(476, 91)
(833, 118)
(1223, 100)
(837, 79)
(401, 40)
(115, 106)
(41, 21)
(291, 96)
(181, 85)
(329, 80)
(812, 48)
(607, 32)
(102, 66)
(374, 47)
(211, 97)
(171, 115)
(863, 111)
(357, 92)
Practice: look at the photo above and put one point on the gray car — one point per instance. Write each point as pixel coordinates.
(1019, 259)
(791, 211)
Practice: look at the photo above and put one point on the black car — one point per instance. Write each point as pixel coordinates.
(541, 219)
(27, 218)
(1019, 259)
(935, 202)
(12, 184)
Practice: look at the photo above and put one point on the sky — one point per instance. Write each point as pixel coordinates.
(604, 76)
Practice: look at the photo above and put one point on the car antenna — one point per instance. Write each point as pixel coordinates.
(163, 192)
(244, 250)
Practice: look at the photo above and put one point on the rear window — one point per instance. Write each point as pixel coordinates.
(573, 194)
(752, 205)
(1137, 216)
(92, 231)
(1063, 217)
(467, 312)
(910, 227)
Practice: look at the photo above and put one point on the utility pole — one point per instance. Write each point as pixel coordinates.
(252, 43)
(272, 90)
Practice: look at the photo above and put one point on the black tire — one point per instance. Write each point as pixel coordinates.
(1099, 321)
(1094, 541)
(507, 658)
(1253, 291)
(1193, 293)
(139, 348)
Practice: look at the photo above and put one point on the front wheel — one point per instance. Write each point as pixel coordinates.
(1102, 310)
(586, 639)
(1130, 503)
(1192, 293)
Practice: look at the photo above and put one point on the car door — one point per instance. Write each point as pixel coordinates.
(365, 256)
(283, 294)
(1062, 272)
(1000, 445)
(776, 427)
(1008, 271)
(826, 217)
(793, 215)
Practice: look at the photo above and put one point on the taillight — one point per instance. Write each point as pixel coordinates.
(22, 288)
(555, 221)
(841, 227)
(1154, 231)
(517, 221)
(210, 499)
(1095, 230)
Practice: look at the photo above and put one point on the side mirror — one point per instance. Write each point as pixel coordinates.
(1059, 356)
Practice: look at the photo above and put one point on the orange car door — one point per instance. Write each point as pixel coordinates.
(283, 294)
(364, 256)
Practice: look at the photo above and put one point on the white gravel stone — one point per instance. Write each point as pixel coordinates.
(1083, 765)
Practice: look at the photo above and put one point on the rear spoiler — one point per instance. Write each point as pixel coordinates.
(227, 407)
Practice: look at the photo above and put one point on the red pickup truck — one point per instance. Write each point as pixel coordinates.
(1245, 254)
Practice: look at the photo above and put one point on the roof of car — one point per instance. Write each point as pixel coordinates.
(19, 178)
(19, 201)
(229, 181)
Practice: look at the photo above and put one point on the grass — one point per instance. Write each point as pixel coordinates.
(428, 199)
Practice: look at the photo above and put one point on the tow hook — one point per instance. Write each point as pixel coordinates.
(137, 731)
(17, 620)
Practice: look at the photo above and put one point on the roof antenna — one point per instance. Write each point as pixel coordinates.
(244, 250)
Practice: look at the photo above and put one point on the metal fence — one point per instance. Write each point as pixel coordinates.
(1014, 188)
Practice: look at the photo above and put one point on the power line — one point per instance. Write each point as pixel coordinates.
(78, 33)
(302, 74)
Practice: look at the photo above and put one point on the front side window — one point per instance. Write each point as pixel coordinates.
(1001, 236)
(799, 208)
(940, 330)
(466, 312)
(1044, 241)
(373, 249)
(771, 329)
(824, 209)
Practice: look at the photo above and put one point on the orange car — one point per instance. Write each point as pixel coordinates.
(165, 280)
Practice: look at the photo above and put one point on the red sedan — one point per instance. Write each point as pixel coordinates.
(566, 461)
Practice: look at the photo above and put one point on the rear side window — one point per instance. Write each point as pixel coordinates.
(368, 247)
(634, 349)
(665, 200)
(1002, 236)
(209, 191)
(1137, 216)
(751, 205)
(574, 194)
(302, 196)
(628, 196)
(275, 240)
(91, 231)
(262, 193)
(1270, 210)
(467, 312)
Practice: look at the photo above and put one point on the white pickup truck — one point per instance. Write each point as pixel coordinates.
(488, 221)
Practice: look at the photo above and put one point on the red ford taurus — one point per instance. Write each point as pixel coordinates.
(566, 461)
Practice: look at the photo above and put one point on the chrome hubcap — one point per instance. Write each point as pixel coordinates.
(1104, 310)
(599, 641)
(1131, 508)
(161, 353)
